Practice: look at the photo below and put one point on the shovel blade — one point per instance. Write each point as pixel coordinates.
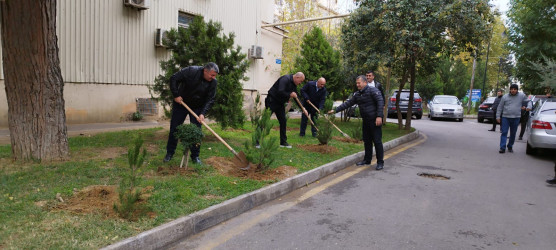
(240, 160)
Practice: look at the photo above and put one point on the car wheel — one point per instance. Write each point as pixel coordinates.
(418, 117)
(530, 150)
(460, 119)
(481, 120)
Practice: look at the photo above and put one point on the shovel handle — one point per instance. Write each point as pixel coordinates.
(207, 126)
(344, 134)
(305, 111)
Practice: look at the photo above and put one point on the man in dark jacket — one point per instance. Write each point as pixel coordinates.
(196, 87)
(314, 92)
(283, 89)
(371, 82)
(494, 107)
(371, 107)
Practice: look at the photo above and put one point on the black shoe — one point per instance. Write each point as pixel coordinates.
(379, 166)
(552, 182)
(510, 150)
(502, 151)
(520, 138)
(492, 130)
(314, 134)
(167, 158)
(361, 163)
(285, 145)
(196, 160)
(300, 135)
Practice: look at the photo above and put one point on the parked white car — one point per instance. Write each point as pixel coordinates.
(541, 127)
(445, 106)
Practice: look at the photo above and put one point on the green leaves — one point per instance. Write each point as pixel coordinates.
(189, 135)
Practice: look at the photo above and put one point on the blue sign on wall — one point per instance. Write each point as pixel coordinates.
(475, 95)
(278, 61)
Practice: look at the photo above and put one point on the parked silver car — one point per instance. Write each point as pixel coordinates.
(445, 106)
(541, 127)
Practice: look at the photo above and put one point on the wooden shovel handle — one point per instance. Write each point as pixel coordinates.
(305, 111)
(207, 126)
(344, 134)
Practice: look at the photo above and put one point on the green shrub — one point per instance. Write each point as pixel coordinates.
(265, 155)
(325, 127)
(136, 116)
(128, 192)
(357, 131)
(189, 135)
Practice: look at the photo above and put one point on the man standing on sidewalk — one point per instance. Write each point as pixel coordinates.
(494, 108)
(283, 89)
(371, 106)
(509, 113)
(196, 87)
(314, 92)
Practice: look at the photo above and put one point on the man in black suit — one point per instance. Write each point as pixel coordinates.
(371, 82)
(494, 107)
(314, 92)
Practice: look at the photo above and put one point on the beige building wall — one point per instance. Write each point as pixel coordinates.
(108, 55)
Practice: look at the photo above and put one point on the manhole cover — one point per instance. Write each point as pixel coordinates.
(434, 176)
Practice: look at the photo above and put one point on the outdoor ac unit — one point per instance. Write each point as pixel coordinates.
(161, 35)
(256, 52)
(139, 4)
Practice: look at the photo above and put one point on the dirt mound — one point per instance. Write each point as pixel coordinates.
(225, 166)
(323, 149)
(97, 199)
(348, 140)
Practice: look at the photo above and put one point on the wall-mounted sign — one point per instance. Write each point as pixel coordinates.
(278, 61)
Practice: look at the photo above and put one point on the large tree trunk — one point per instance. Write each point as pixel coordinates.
(33, 79)
(412, 70)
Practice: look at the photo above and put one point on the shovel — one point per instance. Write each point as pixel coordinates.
(240, 159)
(305, 111)
(344, 134)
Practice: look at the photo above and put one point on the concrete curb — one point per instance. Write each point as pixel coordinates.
(168, 233)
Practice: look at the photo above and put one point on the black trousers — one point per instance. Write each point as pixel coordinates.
(523, 124)
(304, 121)
(179, 113)
(372, 134)
(494, 120)
(280, 111)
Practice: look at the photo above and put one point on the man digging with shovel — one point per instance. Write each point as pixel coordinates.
(196, 87)
(314, 93)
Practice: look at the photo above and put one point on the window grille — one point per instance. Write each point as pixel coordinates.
(147, 106)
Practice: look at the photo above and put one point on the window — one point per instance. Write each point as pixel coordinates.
(184, 19)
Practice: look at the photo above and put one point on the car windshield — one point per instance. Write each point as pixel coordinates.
(446, 100)
(405, 95)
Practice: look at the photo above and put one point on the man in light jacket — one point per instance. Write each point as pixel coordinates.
(508, 114)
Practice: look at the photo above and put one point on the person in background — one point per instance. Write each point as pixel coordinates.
(314, 92)
(508, 114)
(494, 108)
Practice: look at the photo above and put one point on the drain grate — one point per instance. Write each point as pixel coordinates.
(434, 176)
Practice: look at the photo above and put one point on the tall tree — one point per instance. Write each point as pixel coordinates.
(33, 79)
(319, 59)
(198, 44)
(414, 33)
(532, 33)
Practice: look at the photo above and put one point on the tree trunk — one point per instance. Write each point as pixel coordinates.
(471, 84)
(412, 70)
(33, 79)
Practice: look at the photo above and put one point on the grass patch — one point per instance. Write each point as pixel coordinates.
(29, 211)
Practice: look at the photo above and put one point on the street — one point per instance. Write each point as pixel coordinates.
(486, 200)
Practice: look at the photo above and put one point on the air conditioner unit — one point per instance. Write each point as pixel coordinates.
(161, 35)
(139, 4)
(256, 52)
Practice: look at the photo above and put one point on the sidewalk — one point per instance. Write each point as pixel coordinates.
(95, 128)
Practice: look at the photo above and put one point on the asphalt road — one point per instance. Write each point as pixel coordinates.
(491, 201)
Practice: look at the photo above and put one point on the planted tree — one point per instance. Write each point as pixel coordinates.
(264, 154)
(198, 44)
(129, 193)
(189, 135)
(325, 125)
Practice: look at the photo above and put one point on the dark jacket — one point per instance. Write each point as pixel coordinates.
(369, 100)
(281, 90)
(317, 98)
(496, 102)
(193, 88)
(378, 85)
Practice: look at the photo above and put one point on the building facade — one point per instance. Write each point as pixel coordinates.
(109, 56)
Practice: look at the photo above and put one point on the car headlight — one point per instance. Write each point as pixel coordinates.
(459, 109)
